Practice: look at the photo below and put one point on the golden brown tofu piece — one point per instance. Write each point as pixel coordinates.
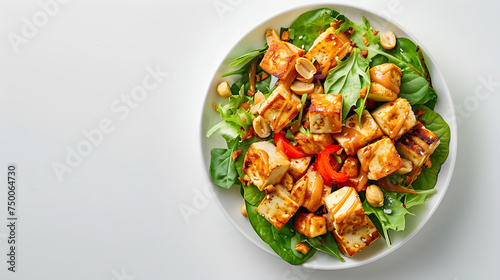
(386, 80)
(325, 113)
(310, 224)
(277, 207)
(314, 144)
(298, 166)
(280, 108)
(329, 47)
(379, 159)
(280, 58)
(417, 144)
(263, 165)
(351, 167)
(352, 137)
(354, 231)
(395, 118)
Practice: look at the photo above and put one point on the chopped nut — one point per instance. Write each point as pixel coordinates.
(215, 106)
(364, 53)
(365, 41)
(301, 247)
(388, 40)
(243, 210)
(285, 36)
(224, 90)
(375, 32)
(236, 154)
(257, 78)
(250, 93)
(264, 75)
(419, 112)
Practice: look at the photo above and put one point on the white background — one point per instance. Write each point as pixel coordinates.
(115, 212)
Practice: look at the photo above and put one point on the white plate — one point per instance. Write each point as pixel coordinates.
(230, 200)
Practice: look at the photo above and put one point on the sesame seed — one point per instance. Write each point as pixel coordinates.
(356, 245)
(300, 37)
(387, 211)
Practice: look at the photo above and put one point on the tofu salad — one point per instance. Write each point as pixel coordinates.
(331, 135)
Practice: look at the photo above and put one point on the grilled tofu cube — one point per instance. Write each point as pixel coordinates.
(386, 80)
(280, 108)
(277, 207)
(309, 191)
(310, 224)
(329, 47)
(351, 167)
(263, 165)
(298, 166)
(280, 59)
(379, 159)
(314, 144)
(354, 231)
(395, 118)
(352, 137)
(417, 144)
(325, 113)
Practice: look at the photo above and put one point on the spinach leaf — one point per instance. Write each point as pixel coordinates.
(253, 195)
(305, 28)
(326, 243)
(435, 123)
(347, 79)
(391, 215)
(222, 169)
(282, 241)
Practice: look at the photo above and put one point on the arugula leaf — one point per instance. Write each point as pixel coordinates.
(435, 123)
(282, 241)
(347, 79)
(391, 215)
(326, 243)
(305, 28)
(412, 200)
(222, 169)
(245, 61)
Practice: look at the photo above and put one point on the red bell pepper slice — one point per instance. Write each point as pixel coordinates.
(290, 150)
(325, 168)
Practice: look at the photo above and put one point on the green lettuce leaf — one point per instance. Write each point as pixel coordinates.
(347, 79)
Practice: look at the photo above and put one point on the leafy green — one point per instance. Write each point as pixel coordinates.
(222, 168)
(305, 28)
(326, 243)
(435, 123)
(244, 60)
(282, 241)
(412, 200)
(347, 79)
(235, 120)
(253, 195)
(391, 215)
